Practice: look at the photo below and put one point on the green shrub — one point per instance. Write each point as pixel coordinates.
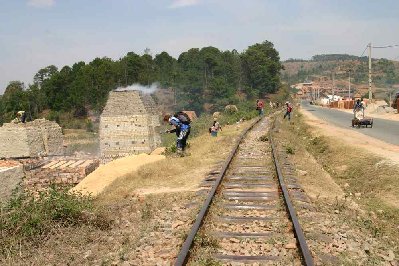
(28, 218)
(54, 116)
(171, 149)
(289, 150)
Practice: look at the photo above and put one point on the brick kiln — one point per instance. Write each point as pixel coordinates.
(32, 139)
(128, 125)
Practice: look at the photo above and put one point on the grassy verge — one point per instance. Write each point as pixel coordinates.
(80, 140)
(26, 220)
(366, 179)
(178, 174)
(201, 125)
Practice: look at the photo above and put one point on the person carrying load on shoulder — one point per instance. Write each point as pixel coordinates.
(288, 111)
(181, 122)
(259, 106)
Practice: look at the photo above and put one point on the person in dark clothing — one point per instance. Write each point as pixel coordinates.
(181, 128)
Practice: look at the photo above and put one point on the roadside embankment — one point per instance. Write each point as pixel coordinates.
(352, 139)
(354, 191)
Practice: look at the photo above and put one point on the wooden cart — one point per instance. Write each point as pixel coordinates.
(362, 122)
(359, 120)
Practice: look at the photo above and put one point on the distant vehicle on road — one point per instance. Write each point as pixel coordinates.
(359, 120)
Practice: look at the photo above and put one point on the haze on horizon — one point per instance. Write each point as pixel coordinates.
(38, 33)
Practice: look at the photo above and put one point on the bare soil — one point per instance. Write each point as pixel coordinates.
(354, 218)
(151, 211)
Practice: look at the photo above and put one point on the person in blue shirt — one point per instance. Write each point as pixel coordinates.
(181, 128)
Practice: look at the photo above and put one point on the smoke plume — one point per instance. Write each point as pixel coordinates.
(138, 87)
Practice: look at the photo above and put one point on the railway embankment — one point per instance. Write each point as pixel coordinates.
(355, 217)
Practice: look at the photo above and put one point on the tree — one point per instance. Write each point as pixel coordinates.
(201, 77)
(261, 65)
(13, 100)
(166, 67)
(44, 73)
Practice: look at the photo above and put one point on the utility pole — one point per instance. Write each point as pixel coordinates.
(349, 84)
(370, 93)
(333, 84)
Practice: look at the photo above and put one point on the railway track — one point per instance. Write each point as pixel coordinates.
(248, 217)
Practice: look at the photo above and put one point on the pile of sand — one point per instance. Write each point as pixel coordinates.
(97, 181)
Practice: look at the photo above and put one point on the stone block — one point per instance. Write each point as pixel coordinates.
(31, 139)
(10, 178)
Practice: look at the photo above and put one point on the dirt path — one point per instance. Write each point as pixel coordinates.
(388, 151)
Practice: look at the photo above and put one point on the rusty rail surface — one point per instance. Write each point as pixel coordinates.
(303, 248)
(185, 249)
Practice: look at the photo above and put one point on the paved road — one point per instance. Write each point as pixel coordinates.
(385, 130)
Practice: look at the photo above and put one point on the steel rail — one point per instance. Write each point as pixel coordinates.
(185, 249)
(303, 246)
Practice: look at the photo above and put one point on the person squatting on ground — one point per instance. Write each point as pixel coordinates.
(181, 123)
(259, 106)
(288, 110)
(20, 117)
(215, 128)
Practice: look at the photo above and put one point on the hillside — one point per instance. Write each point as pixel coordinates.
(385, 72)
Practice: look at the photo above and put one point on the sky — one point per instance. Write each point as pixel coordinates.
(38, 33)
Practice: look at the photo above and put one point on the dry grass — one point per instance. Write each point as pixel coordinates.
(177, 174)
(140, 224)
(336, 169)
(79, 140)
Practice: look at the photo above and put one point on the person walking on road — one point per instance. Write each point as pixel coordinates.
(288, 110)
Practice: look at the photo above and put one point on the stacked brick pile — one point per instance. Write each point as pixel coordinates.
(129, 125)
(59, 172)
(32, 139)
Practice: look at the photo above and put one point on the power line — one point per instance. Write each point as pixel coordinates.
(364, 50)
(386, 46)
